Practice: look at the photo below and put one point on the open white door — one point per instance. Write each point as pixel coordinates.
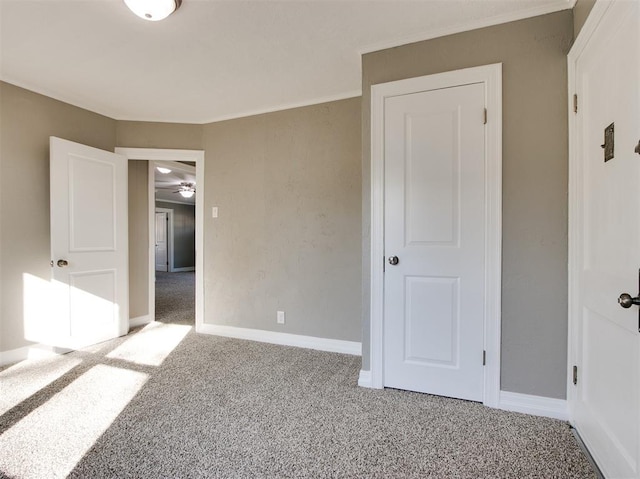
(604, 394)
(89, 243)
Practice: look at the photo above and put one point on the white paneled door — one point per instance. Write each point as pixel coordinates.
(162, 243)
(434, 214)
(89, 243)
(605, 245)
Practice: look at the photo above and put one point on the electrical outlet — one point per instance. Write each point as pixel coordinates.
(280, 317)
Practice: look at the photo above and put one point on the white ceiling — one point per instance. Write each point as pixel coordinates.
(218, 59)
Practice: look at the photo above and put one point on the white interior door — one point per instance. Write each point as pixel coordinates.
(434, 218)
(605, 402)
(162, 249)
(89, 242)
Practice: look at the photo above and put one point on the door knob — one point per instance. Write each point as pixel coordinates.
(62, 262)
(393, 260)
(626, 301)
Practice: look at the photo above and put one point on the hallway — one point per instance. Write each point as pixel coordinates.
(175, 297)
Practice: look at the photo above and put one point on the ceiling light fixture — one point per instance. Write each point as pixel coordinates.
(163, 170)
(153, 10)
(187, 189)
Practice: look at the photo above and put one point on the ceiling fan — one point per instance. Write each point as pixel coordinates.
(186, 188)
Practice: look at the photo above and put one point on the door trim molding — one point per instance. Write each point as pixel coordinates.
(169, 212)
(197, 156)
(491, 76)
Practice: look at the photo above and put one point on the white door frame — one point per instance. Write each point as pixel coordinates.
(169, 212)
(491, 76)
(197, 156)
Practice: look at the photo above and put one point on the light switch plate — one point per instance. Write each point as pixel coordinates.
(214, 212)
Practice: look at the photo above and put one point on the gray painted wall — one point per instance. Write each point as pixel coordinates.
(302, 255)
(535, 159)
(148, 134)
(138, 239)
(28, 119)
(581, 11)
(287, 185)
(184, 233)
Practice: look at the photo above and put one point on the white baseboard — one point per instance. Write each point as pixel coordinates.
(180, 270)
(364, 379)
(535, 405)
(516, 402)
(139, 321)
(284, 339)
(35, 351)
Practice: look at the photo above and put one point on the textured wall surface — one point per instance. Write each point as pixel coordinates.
(145, 134)
(287, 185)
(581, 11)
(184, 233)
(534, 280)
(28, 120)
(138, 238)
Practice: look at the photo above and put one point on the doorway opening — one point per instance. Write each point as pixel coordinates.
(175, 293)
(174, 230)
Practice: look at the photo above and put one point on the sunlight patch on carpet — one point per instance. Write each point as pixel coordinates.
(52, 439)
(152, 345)
(26, 378)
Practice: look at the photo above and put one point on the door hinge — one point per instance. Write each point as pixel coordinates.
(484, 358)
(575, 375)
(485, 116)
(575, 103)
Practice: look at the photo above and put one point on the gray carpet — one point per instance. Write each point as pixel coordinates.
(175, 297)
(165, 402)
